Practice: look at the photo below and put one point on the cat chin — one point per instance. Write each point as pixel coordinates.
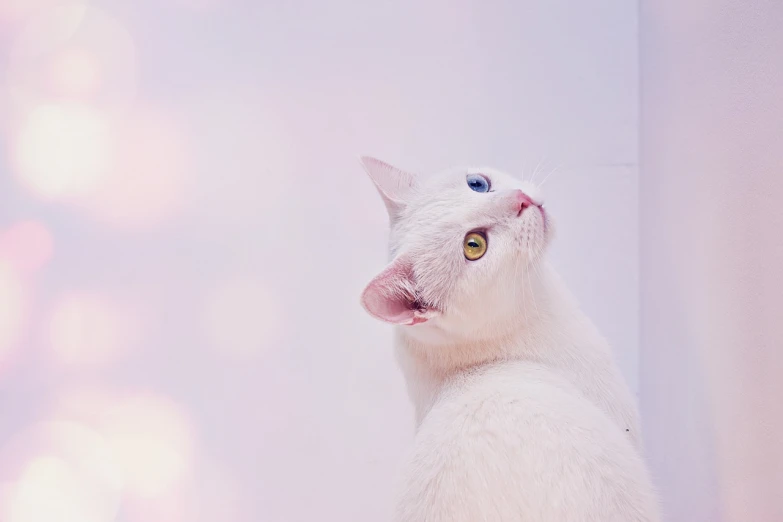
(448, 331)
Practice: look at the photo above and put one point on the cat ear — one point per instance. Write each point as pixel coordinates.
(393, 184)
(390, 297)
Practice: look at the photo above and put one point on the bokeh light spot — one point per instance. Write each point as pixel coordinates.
(150, 437)
(243, 317)
(152, 440)
(146, 183)
(15, 11)
(75, 73)
(62, 150)
(28, 245)
(72, 54)
(59, 471)
(86, 329)
(49, 491)
(13, 306)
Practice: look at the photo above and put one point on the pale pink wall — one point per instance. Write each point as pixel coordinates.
(712, 257)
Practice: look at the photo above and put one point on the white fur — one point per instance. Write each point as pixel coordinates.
(522, 415)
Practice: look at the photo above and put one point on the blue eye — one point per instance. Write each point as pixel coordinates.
(478, 183)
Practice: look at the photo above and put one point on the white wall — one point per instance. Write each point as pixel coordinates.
(712, 251)
(221, 281)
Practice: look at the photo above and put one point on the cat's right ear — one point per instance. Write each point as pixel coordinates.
(394, 185)
(390, 296)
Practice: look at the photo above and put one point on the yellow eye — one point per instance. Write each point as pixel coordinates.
(474, 246)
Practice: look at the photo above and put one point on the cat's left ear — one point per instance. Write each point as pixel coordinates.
(394, 185)
(391, 296)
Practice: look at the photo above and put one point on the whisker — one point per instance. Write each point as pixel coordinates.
(547, 176)
(535, 171)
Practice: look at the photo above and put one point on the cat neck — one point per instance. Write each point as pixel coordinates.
(550, 330)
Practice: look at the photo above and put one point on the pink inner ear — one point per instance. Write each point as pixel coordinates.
(391, 309)
(389, 297)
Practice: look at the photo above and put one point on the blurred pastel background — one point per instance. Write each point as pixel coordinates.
(185, 230)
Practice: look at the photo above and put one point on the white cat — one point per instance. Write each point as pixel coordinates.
(522, 414)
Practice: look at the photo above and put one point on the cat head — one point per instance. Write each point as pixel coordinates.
(463, 242)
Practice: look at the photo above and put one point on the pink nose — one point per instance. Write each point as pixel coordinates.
(524, 201)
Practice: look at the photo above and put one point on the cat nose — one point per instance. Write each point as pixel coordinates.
(524, 201)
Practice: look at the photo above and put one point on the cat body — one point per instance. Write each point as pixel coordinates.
(513, 442)
(521, 413)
